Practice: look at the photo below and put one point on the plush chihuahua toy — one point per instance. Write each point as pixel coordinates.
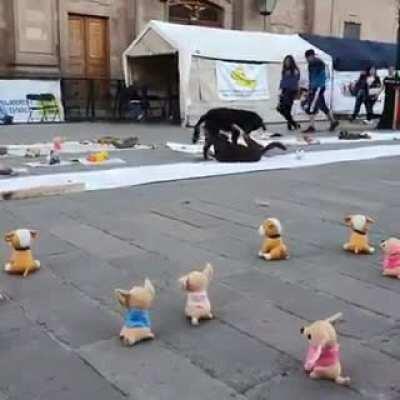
(273, 247)
(137, 324)
(391, 262)
(358, 243)
(197, 304)
(323, 356)
(21, 260)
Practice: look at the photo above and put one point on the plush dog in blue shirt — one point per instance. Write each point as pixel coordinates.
(137, 324)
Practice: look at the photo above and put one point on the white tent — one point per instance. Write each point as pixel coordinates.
(202, 57)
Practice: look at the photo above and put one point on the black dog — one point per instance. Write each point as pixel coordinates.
(228, 120)
(226, 151)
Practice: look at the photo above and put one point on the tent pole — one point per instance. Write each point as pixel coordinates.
(398, 45)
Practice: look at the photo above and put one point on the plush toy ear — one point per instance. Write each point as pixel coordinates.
(183, 281)
(208, 271)
(335, 318)
(122, 297)
(149, 286)
(34, 234)
(347, 220)
(8, 237)
(370, 220)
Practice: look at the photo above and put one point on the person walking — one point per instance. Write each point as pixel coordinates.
(316, 94)
(367, 90)
(289, 89)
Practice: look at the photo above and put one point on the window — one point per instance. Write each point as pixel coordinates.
(352, 30)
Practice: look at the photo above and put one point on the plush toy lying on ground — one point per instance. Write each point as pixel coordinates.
(99, 157)
(358, 242)
(137, 324)
(273, 247)
(21, 260)
(391, 262)
(197, 304)
(323, 356)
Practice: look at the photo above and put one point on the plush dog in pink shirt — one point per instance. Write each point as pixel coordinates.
(323, 355)
(197, 304)
(391, 262)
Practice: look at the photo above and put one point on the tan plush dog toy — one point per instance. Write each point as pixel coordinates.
(391, 262)
(273, 247)
(323, 356)
(137, 324)
(197, 304)
(358, 242)
(21, 260)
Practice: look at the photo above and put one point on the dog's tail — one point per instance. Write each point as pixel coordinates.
(274, 145)
(196, 133)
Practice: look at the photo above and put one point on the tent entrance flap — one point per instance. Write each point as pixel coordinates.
(156, 79)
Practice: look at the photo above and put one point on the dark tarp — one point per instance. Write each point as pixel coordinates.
(355, 55)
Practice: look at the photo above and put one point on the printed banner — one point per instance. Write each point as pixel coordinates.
(242, 81)
(343, 100)
(44, 105)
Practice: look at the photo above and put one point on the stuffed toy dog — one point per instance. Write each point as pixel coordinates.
(358, 242)
(197, 304)
(323, 356)
(391, 262)
(273, 247)
(137, 324)
(21, 260)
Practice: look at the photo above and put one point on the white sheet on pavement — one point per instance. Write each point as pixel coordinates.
(264, 140)
(134, 176)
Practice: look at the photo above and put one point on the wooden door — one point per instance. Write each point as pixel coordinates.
(88, 47)
(96, 47)
(76, 46)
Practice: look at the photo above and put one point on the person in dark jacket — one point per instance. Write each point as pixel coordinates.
(289, 88)
(316, 94)
(367, 90)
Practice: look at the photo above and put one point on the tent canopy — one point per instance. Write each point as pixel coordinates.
(222, 44)
(355, 55)
(199, 49)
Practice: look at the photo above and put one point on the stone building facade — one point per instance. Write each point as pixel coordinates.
(85, 38)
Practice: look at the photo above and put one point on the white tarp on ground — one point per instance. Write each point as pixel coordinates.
(134, 176)
(263, 140)
(13, 97)
(238, 81)
(19, 150)
(200, 48)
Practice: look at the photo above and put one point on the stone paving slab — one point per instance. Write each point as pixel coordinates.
(238, 360)
(34, 366)
(62, 310)
(93, 276)
(92, 240)
(288, 388)
(151, 371)
(360, 293)
(279, 330)
(308, 304)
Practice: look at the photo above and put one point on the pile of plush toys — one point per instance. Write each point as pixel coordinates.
(323, 355)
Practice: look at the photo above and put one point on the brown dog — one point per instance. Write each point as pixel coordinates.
(21, 260)
(137, 324)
